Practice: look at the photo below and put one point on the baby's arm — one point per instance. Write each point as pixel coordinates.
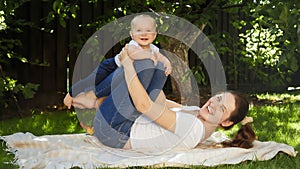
(136, 53)
(167, 64)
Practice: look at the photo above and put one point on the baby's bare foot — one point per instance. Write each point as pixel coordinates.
(79, 106)
(84, 101)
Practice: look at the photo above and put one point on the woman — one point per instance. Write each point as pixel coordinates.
(223, 110)
(148, 121)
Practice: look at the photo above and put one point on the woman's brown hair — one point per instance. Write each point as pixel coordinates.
(245, 135)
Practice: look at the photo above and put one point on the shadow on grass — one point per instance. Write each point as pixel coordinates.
(60, 122)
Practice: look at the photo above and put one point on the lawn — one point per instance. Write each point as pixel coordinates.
(276, 118)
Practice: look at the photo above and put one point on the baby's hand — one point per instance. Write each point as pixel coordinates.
(168, 67)
(165, 61)
(124, 58)
(68, 100)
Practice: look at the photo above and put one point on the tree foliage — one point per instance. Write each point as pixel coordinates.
(10, 88)
(266, 39)
(271, 40)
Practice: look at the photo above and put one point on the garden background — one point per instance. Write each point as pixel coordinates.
(257, 41)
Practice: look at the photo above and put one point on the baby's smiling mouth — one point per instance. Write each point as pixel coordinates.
(144, 39)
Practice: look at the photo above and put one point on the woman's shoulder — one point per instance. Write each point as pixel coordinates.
(189, 128)
(188, 123)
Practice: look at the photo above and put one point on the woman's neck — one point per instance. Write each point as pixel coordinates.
(209, 129)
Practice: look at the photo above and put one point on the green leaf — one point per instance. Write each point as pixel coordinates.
(29, 90)
(62, 22)
(294, 64)
(57, 5)
(284, 14)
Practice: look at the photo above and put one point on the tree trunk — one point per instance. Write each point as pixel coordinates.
(181, 80)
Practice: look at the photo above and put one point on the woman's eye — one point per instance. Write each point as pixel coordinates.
(219, 98)
(223, 109)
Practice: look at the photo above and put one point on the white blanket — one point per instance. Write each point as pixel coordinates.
(66, 151)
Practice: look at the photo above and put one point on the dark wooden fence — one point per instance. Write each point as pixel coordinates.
(53, 47)
(50, 44)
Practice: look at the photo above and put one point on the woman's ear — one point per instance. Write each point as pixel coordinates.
(226, 123)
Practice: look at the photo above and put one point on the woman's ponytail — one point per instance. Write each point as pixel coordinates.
(243, 139)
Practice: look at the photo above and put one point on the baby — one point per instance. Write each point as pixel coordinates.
(143, 33)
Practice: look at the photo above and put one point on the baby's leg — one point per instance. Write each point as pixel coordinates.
(145, 70)
(105, 69)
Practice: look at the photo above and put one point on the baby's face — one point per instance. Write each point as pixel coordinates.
(143, 31)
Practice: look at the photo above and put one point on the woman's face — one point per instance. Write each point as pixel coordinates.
(218, 108)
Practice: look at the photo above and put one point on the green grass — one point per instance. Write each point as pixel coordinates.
(40, 123)
(276, 118)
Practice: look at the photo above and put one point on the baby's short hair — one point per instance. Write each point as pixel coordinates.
(140, 16)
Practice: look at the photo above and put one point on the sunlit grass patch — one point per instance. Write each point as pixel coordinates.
(277, 122)
(280, 97)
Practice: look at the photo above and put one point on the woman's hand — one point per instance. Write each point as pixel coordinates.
(124, 58)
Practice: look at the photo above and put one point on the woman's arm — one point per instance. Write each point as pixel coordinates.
(157, 111)
(172, 104)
